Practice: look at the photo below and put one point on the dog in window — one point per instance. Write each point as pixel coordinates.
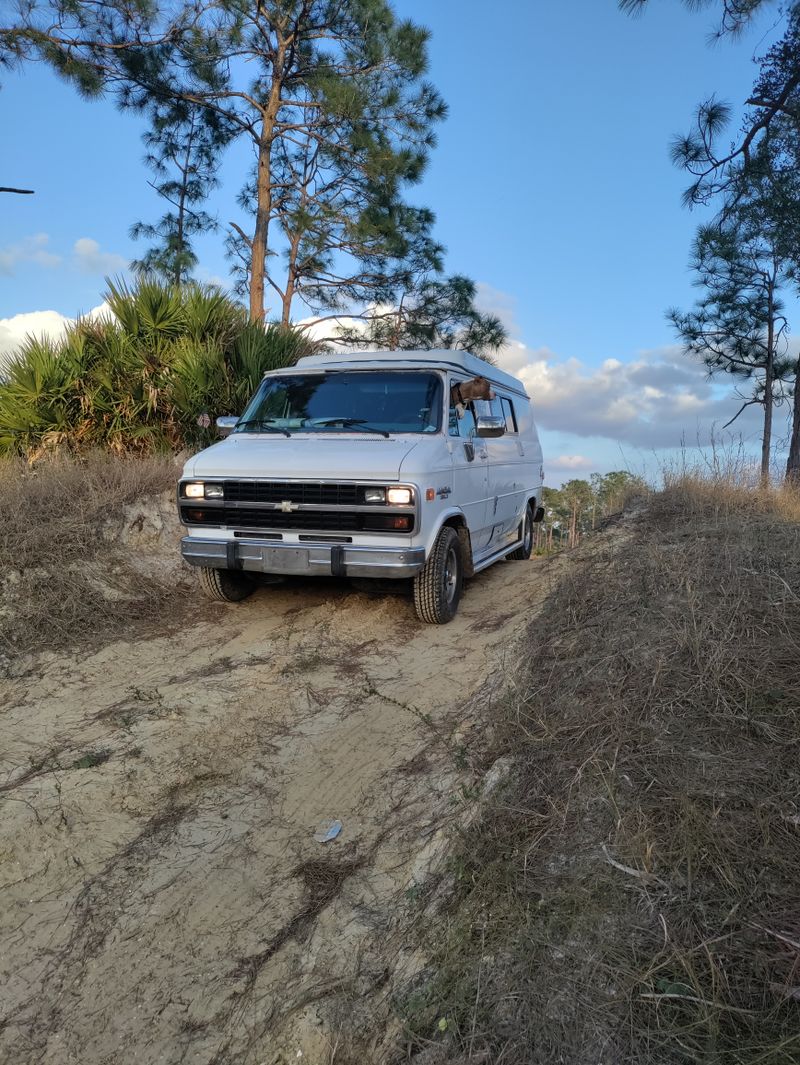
(463, 393)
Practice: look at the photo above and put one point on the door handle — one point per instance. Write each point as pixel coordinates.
(471, 451)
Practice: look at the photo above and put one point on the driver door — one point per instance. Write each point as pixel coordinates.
(470, 474)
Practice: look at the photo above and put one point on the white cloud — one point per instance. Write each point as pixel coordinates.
(51, 324)
(88, 257)
(658, 399)
(502, 304)
(329, 328)
(28, 250)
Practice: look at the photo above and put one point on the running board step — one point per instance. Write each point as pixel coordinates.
(495, 557)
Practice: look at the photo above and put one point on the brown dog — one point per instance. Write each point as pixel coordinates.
(465, 392)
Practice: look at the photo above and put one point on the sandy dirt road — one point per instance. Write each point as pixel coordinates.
(163, 897)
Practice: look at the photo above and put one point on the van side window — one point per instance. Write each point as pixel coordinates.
(464, 426)
(508, 414)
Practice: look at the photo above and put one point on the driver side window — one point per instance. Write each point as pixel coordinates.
(464, 426)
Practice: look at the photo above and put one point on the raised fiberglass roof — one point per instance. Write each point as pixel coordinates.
(440, 358)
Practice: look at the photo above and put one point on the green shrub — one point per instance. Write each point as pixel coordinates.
(139, 380)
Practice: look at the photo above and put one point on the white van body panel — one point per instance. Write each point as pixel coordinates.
(482, 483)
(303, 455)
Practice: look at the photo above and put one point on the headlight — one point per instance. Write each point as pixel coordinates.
(374, 495)
(400, 496)
(201, 490)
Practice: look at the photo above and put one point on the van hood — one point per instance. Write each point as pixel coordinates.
(346, 458)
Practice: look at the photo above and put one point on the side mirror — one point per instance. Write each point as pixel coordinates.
(226, 425)
(490, 427)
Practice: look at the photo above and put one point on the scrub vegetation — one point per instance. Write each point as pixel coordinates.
(150, 376)
(579, 507)
(66, 558)
(630, 893)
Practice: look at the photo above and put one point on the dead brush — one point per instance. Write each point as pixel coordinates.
(630, 894)
(62, 582)
(323, 879)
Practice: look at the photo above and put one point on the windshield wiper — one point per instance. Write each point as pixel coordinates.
(264, 423)
(354, 423)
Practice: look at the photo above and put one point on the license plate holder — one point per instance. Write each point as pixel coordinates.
(285, 559)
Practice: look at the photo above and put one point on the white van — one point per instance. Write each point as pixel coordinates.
(366, 465)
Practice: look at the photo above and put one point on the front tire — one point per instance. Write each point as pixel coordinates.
(523, 552)
(437, 588)
(225, 585)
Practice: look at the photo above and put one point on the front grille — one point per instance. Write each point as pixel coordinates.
(321, 507)
(305, 520)
(321, 494)
(256, 517)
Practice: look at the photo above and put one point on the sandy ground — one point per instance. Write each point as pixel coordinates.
(163, 897)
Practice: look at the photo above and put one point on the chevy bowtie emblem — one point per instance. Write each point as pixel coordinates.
(287, 506)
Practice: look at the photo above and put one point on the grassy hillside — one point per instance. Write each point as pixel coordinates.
(83, 554)
(631, 894)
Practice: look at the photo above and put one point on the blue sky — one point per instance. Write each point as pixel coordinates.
(551, 183)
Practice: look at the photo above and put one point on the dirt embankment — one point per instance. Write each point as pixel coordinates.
(88, 551)
(164, 898)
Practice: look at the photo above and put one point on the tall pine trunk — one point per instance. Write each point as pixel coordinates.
(291, 280)
(185, 170)
(766, 440)
(260, 245)
(793, 462)
(258, 249)
(178, 266)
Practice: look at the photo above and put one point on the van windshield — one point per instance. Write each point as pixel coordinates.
(348, 401)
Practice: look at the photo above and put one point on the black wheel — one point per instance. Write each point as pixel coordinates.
(437, 588)
(225, 585)
(523, 552)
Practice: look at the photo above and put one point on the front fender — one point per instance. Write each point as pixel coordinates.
(442, 518)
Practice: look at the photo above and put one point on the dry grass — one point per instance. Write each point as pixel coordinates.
(631, 895)
(64, 578)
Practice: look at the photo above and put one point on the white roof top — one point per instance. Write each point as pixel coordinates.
(439, 359)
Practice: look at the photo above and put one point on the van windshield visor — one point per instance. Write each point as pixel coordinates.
(363, 401)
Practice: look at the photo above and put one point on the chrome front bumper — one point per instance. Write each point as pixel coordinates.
(326, 560)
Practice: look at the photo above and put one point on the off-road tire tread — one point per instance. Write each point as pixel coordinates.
(519, 554)
(225, 586)
(430, 600)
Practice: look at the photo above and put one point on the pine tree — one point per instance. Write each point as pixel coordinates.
(738, 326)
(184, 144)
(433, 313)
(341, 121)
(332, 97)
(775, 96)
(734, 14)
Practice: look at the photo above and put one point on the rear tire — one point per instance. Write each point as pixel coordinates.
(437, 588)
(225, 585)
(523, 552)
